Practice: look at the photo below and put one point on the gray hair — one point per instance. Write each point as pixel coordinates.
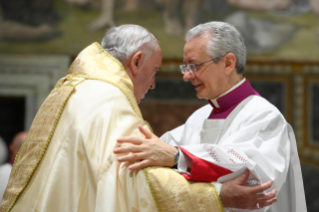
(125, 40)
(224, 39)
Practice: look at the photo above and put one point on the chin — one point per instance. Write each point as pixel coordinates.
(199, 96)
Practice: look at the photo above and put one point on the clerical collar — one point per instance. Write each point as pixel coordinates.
(214, 101)
(226, 102)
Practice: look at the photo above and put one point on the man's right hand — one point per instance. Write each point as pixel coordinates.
(234, 194)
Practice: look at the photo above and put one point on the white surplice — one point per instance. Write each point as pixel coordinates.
(254, 135)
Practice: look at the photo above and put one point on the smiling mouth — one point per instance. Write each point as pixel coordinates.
(198, 85)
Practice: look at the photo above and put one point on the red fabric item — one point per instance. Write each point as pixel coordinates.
(203, 170)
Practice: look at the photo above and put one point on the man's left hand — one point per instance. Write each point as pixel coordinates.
(148, 151)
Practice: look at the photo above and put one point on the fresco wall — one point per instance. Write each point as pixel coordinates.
(276, 29)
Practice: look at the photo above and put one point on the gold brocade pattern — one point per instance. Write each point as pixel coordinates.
(172, 192)
(93, 63)
(143, 203)
(36, 143)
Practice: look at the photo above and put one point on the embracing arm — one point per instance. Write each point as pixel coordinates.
(151, 151)
(145, 152)
(261, 143)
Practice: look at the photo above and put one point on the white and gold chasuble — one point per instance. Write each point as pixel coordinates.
(67, 163)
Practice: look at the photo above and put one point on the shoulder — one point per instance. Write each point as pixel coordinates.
(261, 102)
(100, 94)
(257, 109)
(95, 88)
(97, 100)
(195, 121)
(258, 104)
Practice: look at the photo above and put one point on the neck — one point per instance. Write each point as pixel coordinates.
(133, 79)
(127, 66)
(233, 80)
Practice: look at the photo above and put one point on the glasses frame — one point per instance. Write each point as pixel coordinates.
(192, 67)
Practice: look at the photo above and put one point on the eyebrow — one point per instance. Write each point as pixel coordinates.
(191, 61)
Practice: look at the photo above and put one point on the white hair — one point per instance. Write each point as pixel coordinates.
(125, 40)
(224, 39)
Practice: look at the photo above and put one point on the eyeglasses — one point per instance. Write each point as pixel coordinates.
(191, 67)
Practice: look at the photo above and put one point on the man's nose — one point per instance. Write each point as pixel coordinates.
(152, 86)
(188, 76)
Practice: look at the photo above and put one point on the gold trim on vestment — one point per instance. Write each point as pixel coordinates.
(153, 191)
(64, 86)
(172, 192)
(149, 126)
(93, 63)
(220, 204)
(35, 144)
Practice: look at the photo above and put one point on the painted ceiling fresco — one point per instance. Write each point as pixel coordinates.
(272, 29)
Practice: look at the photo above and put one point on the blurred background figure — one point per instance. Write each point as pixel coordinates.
(5, 169)
(3, 151)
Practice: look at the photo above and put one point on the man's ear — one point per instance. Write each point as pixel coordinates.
(230, 63)
(136, 62)
(11, 148)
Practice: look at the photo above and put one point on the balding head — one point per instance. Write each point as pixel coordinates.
(16, 144)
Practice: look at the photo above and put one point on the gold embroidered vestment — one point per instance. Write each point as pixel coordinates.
(67, 163)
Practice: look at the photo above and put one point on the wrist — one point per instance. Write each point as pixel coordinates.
(176, 156)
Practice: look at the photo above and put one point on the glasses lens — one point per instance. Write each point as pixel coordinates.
(192, 68)
(183, 68)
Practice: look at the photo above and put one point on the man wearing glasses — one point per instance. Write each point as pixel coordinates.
(237, 130)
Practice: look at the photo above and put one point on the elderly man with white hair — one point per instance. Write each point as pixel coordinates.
(237, 130)
(66, 162)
